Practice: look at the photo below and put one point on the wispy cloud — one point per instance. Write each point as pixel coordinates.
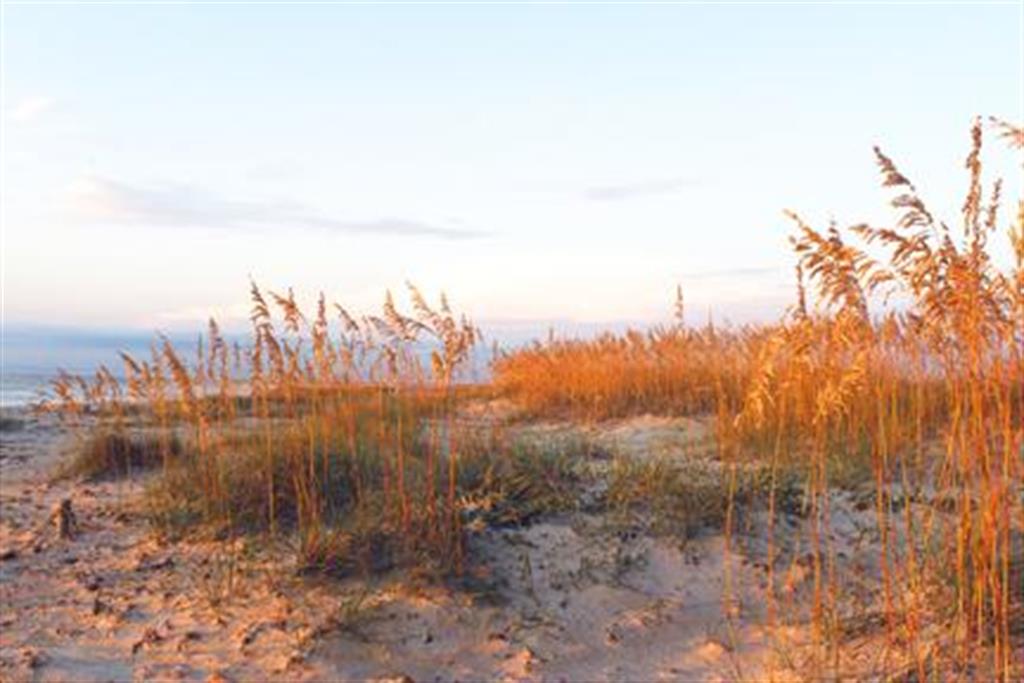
(177, 205)
(648, 188)
(30, 108)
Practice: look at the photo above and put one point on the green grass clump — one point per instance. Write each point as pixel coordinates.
(112, 455)
(10, 424)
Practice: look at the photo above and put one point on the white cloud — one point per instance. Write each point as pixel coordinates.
(176, 205)
(30, 108)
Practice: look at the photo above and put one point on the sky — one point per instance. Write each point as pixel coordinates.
(536, 162)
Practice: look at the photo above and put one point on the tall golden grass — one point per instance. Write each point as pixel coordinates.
(927, 392)
(334, 431)
(669, 369)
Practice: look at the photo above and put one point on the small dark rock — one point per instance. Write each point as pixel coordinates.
(33, 658)
(149, 637)
(147, 565)
(65, 520)
(186, 638)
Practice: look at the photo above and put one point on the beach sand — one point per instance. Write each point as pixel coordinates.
(570, 597)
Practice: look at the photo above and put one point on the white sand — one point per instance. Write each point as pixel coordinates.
(569, 598)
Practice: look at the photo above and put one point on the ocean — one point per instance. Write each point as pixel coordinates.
(32, 357)
(21, 388)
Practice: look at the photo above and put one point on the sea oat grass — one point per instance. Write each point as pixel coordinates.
(113, 455)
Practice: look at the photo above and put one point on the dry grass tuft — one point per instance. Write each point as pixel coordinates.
(923, 402)
(113, 455)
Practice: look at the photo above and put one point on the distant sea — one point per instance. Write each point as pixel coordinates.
(21, 388)
(32, 356)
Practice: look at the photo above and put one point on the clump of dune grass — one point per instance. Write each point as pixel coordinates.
(10, 424)
(521, 481)
(922, 402)
(934, 392)
(114, 455)
(689, 499)
(498, 483)
(315, 427)
(668, 370)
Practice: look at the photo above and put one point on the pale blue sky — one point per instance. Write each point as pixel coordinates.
(536, 162)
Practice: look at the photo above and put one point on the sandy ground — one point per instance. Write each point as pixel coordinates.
(571, 597)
